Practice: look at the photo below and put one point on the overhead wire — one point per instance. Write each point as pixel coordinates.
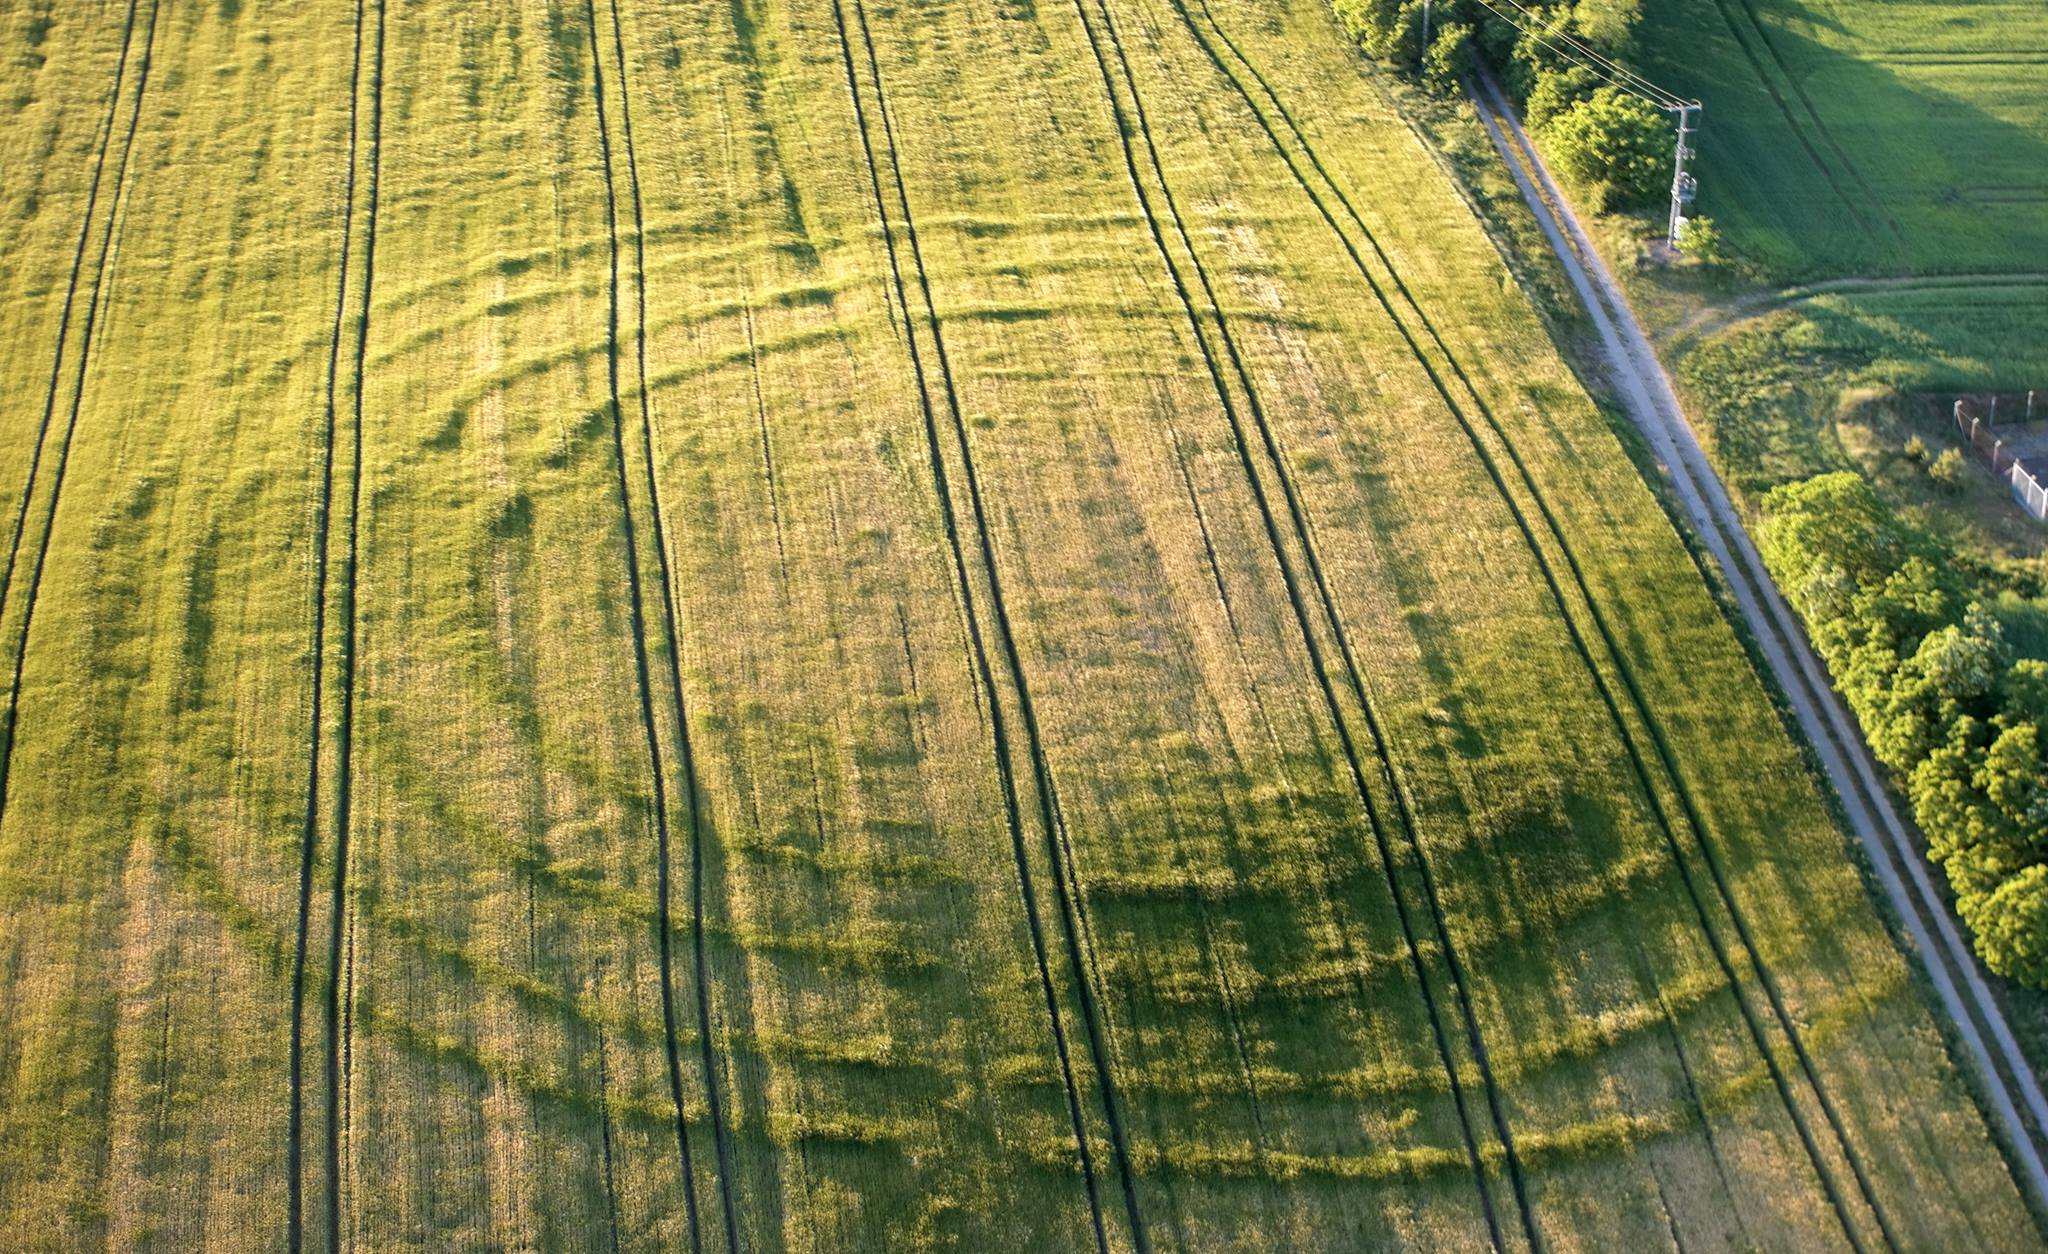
(1590, 52)
(1601, 67)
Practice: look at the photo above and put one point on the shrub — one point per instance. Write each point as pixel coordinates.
(1916, 449)
(1613, 144)
(1448, 60)
(1939, 697)
(1700, 239)
(1947, 470)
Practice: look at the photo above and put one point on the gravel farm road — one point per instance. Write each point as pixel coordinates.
(1645, 390)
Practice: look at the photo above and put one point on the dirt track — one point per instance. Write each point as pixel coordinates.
(1645, 390)
(1716, 318)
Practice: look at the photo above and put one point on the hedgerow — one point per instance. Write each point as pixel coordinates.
(1942, 700)
(1610, 142)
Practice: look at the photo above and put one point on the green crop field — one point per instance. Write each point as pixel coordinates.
(1846, 137)
(868, 624)
(1891, 162)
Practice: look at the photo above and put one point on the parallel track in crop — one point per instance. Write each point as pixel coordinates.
(685, 762)
(1136, 124)
(1067, 899)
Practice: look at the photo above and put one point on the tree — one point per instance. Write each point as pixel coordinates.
(1370, 22)
(1389, 30)
(2025, 691)
(1700, 239)
(1836, 517)
(1964, 661)
(1949, 680)
(1556, 91)
(1608, 25)
(1449, 59)
(2011, 923)
(2015, 780)
(1612, 143)
(1939, 697)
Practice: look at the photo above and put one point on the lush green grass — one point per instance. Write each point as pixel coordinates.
(1836, 382)
(1936, 340)
(887, 1072)
(1851, 138)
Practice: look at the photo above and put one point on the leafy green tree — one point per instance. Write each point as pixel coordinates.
(1965, 833)
(1389, 30)
(1534, 54)
(1700, 239)
(1608, 25)
(1952, 676)
(1939, 697)
(1448, 60)
(1556, 91)
(1368, 21)
(1614, 144)
(2015, 780)
(1834, 517)
(2025, 691)
(2011, 925)
(1907, 604)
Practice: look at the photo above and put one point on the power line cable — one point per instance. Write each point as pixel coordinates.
(1613, 75)
(1588, 51)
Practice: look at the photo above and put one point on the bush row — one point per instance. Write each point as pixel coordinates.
(1614, 145)
(1942, 700)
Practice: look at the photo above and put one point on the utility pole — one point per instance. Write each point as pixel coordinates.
(1683, 186)
(1425, 30)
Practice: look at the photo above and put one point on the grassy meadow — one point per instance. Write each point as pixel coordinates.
(1903, 143)
(867, 624)
(1848, 138)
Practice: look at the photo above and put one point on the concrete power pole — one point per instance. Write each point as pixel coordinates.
(1683, 186)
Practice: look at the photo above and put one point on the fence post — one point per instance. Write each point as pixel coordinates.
(1994, 409)
(2030, 404)
(1997, 447)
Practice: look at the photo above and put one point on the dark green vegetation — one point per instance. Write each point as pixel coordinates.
(1564, 64)
(1941, 697)
(829, 625)
(1894, 140)
(1895, 153)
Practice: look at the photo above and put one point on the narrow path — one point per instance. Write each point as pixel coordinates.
(92, 198)
(309, 837)
(93, 306)
(1716, 876)
(686, 757)
(340, 994)
(1652, 404)
(1503, 117)
(1717, 318)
